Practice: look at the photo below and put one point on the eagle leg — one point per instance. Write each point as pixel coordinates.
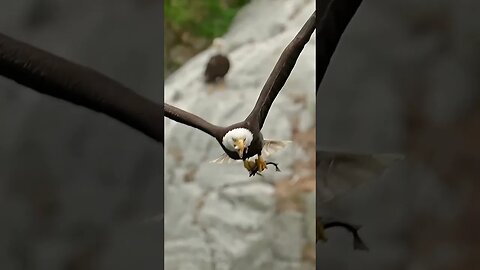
(217, 85)
(221, 84)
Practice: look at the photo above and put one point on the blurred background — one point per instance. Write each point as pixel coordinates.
(216, 217)
(190, 27)
(76, 187)
(404, 78)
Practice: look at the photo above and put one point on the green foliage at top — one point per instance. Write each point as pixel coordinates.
(203, 18)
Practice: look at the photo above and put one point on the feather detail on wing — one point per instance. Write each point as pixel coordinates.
(223, 159)
(189, 119)
(280, 73)
(271, 146)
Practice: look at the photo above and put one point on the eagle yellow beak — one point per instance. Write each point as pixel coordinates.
(239, 146)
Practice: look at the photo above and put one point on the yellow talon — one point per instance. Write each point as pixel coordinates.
(249, 165)
(261, 164)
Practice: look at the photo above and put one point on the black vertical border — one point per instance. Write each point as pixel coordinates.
(161, 101)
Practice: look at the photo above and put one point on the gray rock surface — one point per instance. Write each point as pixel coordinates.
(240, 226)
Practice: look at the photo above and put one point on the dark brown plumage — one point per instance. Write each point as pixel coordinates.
(217, 132)
(216, 69)
(57, 77)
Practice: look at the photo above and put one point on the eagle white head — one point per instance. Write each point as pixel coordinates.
(238, 139)
(219, 45)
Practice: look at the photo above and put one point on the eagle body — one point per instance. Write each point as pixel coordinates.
(216, 69)
(254, 148)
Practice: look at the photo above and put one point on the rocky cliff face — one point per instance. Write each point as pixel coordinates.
(216, 217)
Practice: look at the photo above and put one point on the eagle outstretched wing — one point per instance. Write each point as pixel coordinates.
(331, 23)
(280, 73)
(190, 119)
(58, 77)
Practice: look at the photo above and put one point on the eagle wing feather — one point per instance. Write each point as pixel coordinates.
(280, 73)
(270, 147)
(190, 119)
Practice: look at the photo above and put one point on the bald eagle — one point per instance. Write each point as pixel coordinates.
(244, 140)
(218, 65)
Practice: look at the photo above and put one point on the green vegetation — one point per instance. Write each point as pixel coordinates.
(190, 25)
(202, 18)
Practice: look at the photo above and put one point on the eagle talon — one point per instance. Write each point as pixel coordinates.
(255, 170)
(249, 165)
(252, 173)
(261, 164)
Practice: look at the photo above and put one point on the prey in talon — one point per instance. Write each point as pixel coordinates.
(253, 169)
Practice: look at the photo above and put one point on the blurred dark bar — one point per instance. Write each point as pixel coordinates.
(79, 190)
(404, 79)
